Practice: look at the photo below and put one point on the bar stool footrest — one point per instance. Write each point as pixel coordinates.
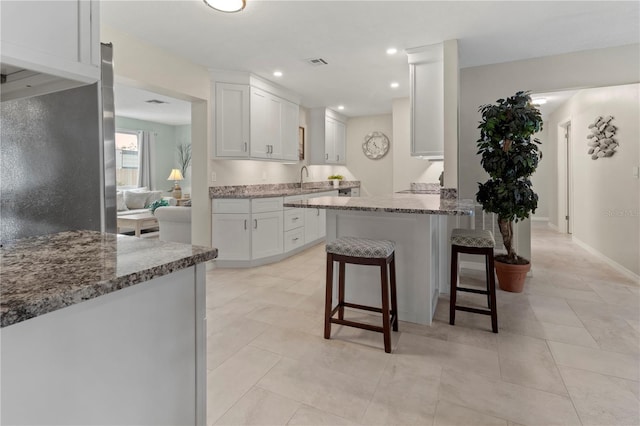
(472, 290)
(473, 310)
(362, 307)
(358, 325)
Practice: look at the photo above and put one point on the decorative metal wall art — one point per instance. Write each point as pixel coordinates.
(600, 140)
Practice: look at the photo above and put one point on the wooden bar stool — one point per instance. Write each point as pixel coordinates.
(362, 251)
(473, 241)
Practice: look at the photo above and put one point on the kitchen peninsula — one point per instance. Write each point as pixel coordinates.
(101, 328)
(418, 223)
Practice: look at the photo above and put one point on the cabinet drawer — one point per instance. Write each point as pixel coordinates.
(293, 219)
(231, 205)
(261, 205)
(293, 239)
(293, 199)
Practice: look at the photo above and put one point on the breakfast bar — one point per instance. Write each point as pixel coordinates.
(418, 223)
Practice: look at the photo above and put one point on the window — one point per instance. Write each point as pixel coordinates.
(126, 158)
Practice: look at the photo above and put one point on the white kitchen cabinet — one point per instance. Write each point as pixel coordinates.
(434, 81)
(327, 137)
(232, 120)
(59, 38)
(290, 125)
(315, 222)
(255, 121)
(267, 234)
(232, 235)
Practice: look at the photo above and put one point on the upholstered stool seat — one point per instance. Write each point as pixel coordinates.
(473, 241)
(362, 251)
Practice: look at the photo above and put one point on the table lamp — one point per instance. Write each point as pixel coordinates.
(175, 176)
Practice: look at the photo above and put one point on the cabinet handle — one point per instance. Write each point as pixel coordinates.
(245, 147)
(326, 156)
(255, 223)
(245, 224)
(295, 218)
(270, 149)
(338, 158)
(295, 239)
(317, 212)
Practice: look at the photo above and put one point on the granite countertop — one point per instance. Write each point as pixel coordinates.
(277, 190)
(393, 203)
(43, 274)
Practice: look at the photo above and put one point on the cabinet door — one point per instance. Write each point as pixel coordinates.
(330, 140)
(267, 234)
(232, 120)
(340, 142)
(60, 38)
(259, 128)
(274, 126)
(311, 225)
(290, 124)
(232, 236)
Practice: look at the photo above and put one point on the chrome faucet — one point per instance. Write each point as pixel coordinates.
(301, 179)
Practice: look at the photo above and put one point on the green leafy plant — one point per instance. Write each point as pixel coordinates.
(339, 177)
(158, 203)
(184, 157)
(510, 157)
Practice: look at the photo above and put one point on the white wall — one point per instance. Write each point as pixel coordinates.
(376, 176)
(183, 136)
(606, 195)
(485, 84)
(407, 169)
(543, 178)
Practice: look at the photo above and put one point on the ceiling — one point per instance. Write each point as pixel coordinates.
(353, 36)
(133, 103)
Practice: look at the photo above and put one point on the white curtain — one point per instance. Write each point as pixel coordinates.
(145, 140)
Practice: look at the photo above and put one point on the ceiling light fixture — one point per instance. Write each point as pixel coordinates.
(228, 6)
(340, 107)
(277, 73)
(392, 51)
(539, 101)
(394, 85)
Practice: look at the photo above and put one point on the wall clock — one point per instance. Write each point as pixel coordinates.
(376, 145)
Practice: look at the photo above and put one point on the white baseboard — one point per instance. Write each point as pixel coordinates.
(615, 265)
(539, 219)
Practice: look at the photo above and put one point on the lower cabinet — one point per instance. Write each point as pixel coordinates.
(246, 231)
(266, 234)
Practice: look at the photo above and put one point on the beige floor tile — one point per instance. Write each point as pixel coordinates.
(403, 396)
(223, 344)
(260, 407)
(615, 335)
(292, 318)
(615, 294)
(232, 379)
(309, 416)
(615, 364)
(553, 290)
(505, 400)
(239, 306)
(274, 296)
(527, 361)
(567, 334)
(452, 355)
(553, 310)
(448, 414)
(327, 390)
(363, 338)
(363, 363)
(600, 400)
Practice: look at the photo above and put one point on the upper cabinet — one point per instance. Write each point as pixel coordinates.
(434, 81)
(327, 137)
(254, 120)
(50, 44)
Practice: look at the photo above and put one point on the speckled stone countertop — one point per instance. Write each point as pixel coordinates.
(277, 190)
(393, 203)
(43, 274)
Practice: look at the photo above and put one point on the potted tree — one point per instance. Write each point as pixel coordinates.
(510, 157)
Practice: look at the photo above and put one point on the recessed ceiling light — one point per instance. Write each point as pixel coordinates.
(392, 51)
(277, 73)
(394, 85)
(539, 101)
(340, 107)
(226, 5)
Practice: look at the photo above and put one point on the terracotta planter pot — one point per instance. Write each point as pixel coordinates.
(511, 277)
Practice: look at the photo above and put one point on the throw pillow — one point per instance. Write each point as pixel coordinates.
(121, 205)
(158, 203)
(135, 199)
(154, 196)
(140, 189)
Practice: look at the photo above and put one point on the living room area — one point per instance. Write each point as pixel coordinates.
(153, 165)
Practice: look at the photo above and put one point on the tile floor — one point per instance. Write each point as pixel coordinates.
(568, 351)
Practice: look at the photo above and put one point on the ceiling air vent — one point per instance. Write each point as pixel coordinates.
(317, 61)
(156, 101)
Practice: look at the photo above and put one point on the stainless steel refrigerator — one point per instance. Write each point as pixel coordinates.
(57, 168)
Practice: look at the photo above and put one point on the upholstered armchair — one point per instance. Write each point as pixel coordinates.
(174, 223)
